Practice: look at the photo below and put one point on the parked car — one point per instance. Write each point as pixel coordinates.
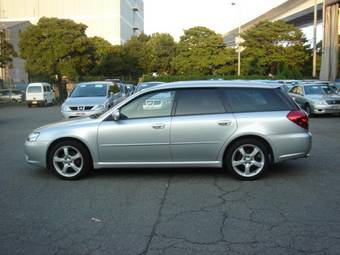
(145, 85)
(316, 98)
(243, 127)
(91, 98)
(39, 93)
(11, 95)
(130, 89)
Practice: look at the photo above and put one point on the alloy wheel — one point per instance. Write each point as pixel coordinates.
(68, 161)
(248, 160)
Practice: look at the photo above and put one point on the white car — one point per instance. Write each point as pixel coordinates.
(39, 93)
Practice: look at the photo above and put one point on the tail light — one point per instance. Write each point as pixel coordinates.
(299, 117)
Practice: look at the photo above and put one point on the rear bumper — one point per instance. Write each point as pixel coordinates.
(292, 146)
(34, 101)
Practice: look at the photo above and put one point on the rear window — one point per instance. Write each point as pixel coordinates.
(34, 89)
(256, 100)
(198, 101)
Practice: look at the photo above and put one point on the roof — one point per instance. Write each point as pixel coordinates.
(216, 84)
(11, 24)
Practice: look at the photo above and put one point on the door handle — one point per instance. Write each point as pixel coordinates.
(158, 126)
(224, 123)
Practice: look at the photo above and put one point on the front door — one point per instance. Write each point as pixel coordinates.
(141, 134)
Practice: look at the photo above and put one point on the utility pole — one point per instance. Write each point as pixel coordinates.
(238, 42)
(314, 36)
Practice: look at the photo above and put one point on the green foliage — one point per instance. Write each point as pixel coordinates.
(272, 47)
(202, 51)
(7, 51)
(161, 49)
(56, 47)
(138, 54)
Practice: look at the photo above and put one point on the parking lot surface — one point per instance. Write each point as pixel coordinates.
(294, 209)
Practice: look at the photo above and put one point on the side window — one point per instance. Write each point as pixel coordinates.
(157, 104)
(255, 100)
(198, 101)
(299, 90)
(294, 90)
(114, 88)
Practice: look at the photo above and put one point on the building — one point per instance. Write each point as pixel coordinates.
(17, 73)
(113, 20)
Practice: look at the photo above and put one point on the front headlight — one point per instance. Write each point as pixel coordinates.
(320, 102)
(65, 108)
(98, 107)
(32, 137)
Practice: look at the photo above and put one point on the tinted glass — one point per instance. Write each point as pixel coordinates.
(198, 101)
(90, 90)
(34, 89)
(319, 90)
(158, 104)
(256, 100)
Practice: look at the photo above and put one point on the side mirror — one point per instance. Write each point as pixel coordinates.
(116, 114)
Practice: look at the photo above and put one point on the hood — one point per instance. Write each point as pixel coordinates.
(85, 101)
(66, 123)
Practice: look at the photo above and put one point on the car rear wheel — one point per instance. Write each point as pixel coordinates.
(247, 159)
(69, 160)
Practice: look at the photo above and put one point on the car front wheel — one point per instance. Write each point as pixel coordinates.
(247, 159)
(69, 160)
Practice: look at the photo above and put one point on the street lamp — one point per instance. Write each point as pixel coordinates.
(238, 41)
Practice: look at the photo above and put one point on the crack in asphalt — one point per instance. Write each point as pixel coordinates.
(158, 220)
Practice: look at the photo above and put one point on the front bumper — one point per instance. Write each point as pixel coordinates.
(324, 109)
(35, 153)
(74, 114)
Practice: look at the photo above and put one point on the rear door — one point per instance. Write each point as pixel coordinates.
(200, 125)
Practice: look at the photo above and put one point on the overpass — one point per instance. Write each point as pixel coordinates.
(297, 12)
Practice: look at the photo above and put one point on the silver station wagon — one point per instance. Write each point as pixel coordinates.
(243, 127)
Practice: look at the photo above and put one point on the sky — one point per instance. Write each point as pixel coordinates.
(172, 16)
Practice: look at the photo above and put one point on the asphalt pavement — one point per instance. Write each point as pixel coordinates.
(294, 209)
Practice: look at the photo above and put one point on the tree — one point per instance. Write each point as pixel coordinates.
(274, 47)
(56, 47)
(102, 49)
(200, 51)
(161, 49)
(7, 51)
(137, 52)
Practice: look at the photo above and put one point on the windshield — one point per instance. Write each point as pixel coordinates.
(147, 85)
(319, 90)
(34, 89)
(90, 90)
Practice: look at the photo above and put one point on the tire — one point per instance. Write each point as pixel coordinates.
(308, 110)
(73, 165)
(237, 161)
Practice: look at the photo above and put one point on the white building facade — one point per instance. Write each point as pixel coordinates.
(114, 20)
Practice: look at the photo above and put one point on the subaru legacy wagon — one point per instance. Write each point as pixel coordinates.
(243, 127)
